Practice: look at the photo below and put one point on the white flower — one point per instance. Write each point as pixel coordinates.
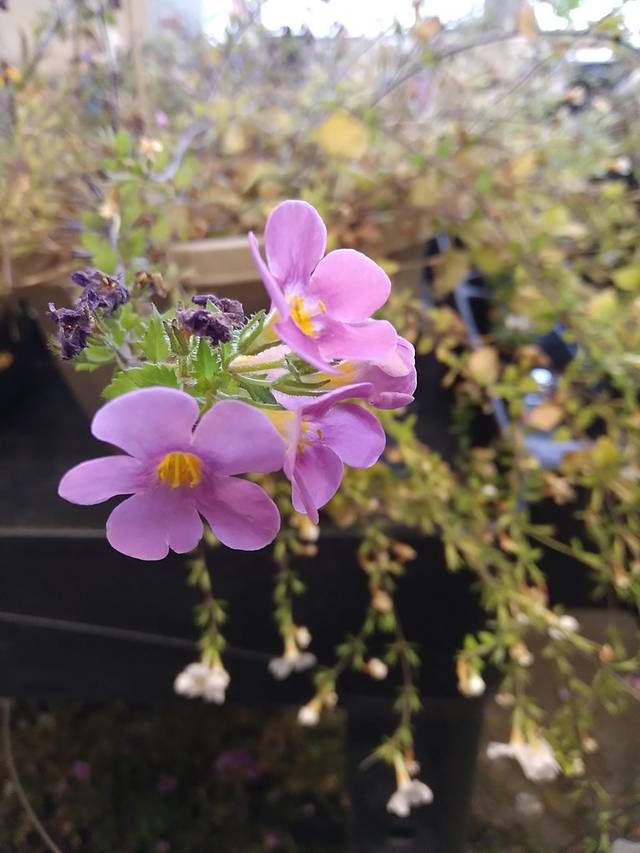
(291, 661)
(198, 679)
(528, 804)
(409, 795)
(191, 681)
(303, 637)
(536, 759)
(563, 627)
(377, 669)
(623, 846)
(309, 714)
(475, 685)
(216, 686)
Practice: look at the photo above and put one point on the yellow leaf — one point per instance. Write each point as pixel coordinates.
(488, 260)
(484, 365)
(627, 278)
(342, 135)
(450, 270)
(234, 140)
(390, 266)
(605, 453)
(545, 417)
(603, 305)
(521, 168)
(425, 190)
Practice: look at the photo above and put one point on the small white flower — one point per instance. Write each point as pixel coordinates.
(198, 679)
(536, 759)
(192, 680)
(475, 686)
(149, 147)
(589, 744)
(564, 627)
(216, 687)
(377, 669)
(624, 846)
(309, 714)
(576, 767)
(505, 700)
(308, 531)
(303, 637)
(489, 490)
(528, 804)
(409, 795)
(291, 661)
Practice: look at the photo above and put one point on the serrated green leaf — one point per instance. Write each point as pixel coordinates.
(141, 377)
(205, 364)
(155, 341)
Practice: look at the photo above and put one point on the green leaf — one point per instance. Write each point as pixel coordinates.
(140, 377)
(155, 342)
(122, 144)
(205, 362)
(98, 354)
(104, 258)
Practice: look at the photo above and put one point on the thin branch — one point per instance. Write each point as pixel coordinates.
(17, 784)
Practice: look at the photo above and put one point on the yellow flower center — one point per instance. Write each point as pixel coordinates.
(303, 315)
(309, 433)
(180, 469)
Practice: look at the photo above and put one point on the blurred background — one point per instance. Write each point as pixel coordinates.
(486, 155)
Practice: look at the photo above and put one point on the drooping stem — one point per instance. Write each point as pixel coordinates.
(17, 784)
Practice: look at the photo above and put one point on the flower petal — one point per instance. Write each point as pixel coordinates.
(295, 238)
(303, 345)
(318, 405)
(316, 478)
(237, 438)
(271, 285)
(354, 434)
(146, 525)
(240, 513)
(372, 340)
(350, 284)
(100, 479)
(147, 422)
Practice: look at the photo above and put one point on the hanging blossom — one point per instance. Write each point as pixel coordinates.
(409, 794)
(198, 680)
(322, 434)
(176, 474)
(322, 304)
(534, 756)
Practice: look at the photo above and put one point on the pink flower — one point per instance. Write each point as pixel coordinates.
(81, 770)
(324, 303)
(393, 379)
(322, 434)
(176, 473)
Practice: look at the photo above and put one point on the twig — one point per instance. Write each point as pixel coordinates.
(138, 77)
(15, 780)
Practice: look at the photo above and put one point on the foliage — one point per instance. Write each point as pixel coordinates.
(477, 135)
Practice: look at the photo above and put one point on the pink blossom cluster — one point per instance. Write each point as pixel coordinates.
(182, 456)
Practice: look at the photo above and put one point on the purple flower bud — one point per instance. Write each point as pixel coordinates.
(231, 307)
(205, 324)
(238, 761)
(100, 290)
(74, 327)
(81, 770)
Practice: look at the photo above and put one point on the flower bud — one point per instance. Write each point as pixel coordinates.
(377, 669)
